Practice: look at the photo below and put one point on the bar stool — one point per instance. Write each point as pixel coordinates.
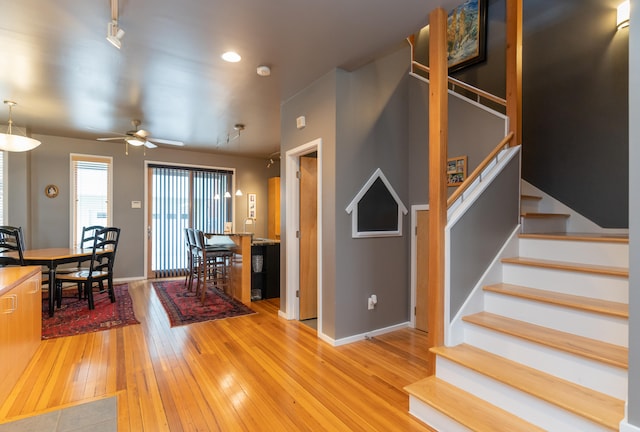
(212, 266)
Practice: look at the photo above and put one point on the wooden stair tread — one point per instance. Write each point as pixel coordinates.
(587, 237)
(570, 266)
(544, 215)
(593, 349)
(530, 197)
(595, 406)
(590, 304)
(465, 408)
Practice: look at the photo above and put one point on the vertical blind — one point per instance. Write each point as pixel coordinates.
(91, 192)
(184, 197)
(2, 186)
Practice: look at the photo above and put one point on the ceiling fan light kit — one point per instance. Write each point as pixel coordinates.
(15, 143)
(140, 137)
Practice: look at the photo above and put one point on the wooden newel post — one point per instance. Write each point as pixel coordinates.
(438, 133)
(514, 69)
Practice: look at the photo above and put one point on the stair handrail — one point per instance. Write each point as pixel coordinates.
(481, 94)
(479, 169)
(457, 83)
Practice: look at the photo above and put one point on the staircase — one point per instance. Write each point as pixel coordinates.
(549, 350)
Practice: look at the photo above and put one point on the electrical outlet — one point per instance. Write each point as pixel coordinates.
(370, 303)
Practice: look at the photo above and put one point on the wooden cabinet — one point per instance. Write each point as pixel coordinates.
(20, 322)
(273, 209)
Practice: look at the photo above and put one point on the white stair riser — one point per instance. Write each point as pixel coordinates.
(529, 408)
(601, 287)
(434, 418)
(543, 225)
(529, 206)
(595, 375)
(597, 253)
(596, 326)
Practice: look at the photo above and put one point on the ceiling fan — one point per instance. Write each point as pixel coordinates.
(139, 137)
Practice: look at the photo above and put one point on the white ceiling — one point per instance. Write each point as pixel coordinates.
(69, 81)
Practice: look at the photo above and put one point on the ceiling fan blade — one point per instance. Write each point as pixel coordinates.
(165, 141)
(142, 133)
(149, 144)
(110, 138)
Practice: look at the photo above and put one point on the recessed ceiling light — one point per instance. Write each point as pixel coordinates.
(231, 57)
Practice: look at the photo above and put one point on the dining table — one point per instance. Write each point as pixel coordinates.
(52, 258)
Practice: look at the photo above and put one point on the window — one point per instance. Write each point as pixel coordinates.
(91, 190)
(2, 186)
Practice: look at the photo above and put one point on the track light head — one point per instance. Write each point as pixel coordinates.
(115, 34)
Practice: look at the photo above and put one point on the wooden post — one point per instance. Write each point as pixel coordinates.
(514, 69)
(438, 132)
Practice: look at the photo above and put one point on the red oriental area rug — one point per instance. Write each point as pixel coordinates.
(74, 317)
(183, 307)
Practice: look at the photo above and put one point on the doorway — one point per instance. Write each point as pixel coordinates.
(294, 161)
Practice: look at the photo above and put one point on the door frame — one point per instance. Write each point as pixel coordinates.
(292, 225)
(414, 269)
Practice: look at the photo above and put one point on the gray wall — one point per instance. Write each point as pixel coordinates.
(478, 236)
(575, 93)
(473, 132)
(634, 218)
(362, 118)
(318, 104)
(372, 130)
(49, 222)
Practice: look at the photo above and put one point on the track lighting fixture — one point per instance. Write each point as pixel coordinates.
(115, 34)
(272, 159)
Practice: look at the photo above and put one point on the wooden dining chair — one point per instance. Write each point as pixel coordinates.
(100, 266)
(11, 240)
(86, 242)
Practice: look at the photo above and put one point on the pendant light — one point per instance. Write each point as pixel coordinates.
(15, 143)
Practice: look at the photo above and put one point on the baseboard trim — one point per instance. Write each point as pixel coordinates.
(626, 427)
(367, 335)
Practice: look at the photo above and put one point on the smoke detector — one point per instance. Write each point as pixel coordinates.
(263, 70)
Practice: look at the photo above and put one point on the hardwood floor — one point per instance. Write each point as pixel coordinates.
(251, 373)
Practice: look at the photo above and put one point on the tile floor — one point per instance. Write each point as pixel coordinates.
(96, 416)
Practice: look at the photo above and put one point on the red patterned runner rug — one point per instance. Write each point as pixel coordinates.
(74, 317)
(183, 307)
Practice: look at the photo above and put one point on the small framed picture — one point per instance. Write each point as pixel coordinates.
(51, 191)
(456, 170)
(251, 206)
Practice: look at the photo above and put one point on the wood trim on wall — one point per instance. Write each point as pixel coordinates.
(438, 136)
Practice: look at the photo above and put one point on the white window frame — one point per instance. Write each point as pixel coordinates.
(72, 192)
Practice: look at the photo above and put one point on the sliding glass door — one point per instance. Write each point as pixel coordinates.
(181, 197)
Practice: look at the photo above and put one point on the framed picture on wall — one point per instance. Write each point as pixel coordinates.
(251, 206)
(466, 34)
(456, 170)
